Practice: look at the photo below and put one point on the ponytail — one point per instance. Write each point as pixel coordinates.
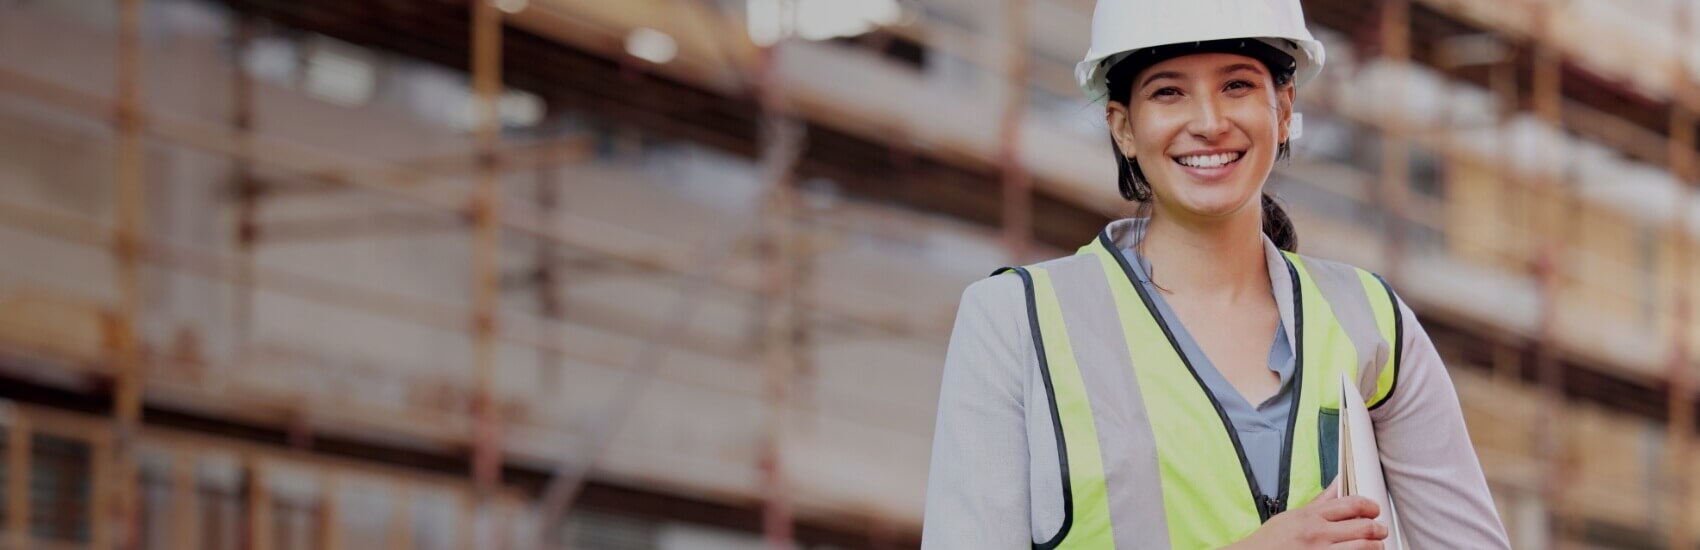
(1277, 226)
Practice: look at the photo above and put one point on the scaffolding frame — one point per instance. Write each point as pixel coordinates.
(131, 248)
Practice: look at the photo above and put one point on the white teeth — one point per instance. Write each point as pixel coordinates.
(1209, 161)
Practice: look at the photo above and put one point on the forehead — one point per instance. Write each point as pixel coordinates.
(1201, 64)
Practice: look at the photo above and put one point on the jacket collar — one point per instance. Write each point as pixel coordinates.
(1127, 232)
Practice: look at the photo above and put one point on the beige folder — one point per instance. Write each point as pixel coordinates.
(1360, 461)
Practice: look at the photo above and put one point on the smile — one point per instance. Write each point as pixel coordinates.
(1210, 166)
(1216, 160)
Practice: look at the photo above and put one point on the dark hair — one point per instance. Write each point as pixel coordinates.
(1119, 79)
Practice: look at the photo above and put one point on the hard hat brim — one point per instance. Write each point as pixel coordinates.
(1307, 54)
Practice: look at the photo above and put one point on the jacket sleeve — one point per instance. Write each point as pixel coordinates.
(977, 488)
(1426, 455)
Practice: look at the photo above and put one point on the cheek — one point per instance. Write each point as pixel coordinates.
(1154, 129)
(1258, 120)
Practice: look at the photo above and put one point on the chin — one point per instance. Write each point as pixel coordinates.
(1216, 203)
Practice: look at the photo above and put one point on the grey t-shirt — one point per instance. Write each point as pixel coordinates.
(1262, 428)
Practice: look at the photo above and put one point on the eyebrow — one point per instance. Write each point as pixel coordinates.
(1177, 75)
(1240, 67)
(1159, 76)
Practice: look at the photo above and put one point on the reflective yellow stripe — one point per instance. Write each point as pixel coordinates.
(1325, 352)
(1206, 497)
(1381, 300)
(1090, 526)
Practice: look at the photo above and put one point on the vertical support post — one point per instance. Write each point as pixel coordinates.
(547, 277)
(247, 190)
(401, 518)
(486, 246)
(782, 143)
(466, 522)
(102, 493)
(1395, 155)
(502, 526)
(1548, 105)
(1503, 81)
(17, 481)
(777, 358)
(185, 502)
(1680, 421)
(780, 357)
(1017, 185)
(259, 506)
(330, 530)
(127, 250)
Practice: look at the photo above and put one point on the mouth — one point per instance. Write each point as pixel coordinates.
(1209, 165)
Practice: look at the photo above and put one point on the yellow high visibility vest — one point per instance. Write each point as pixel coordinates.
(1208, 497)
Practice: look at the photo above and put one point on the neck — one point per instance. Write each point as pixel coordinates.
(1221, 257)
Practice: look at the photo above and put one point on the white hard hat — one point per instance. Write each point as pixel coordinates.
(1121, 26)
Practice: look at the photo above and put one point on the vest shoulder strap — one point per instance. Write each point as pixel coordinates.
(1385, 305)
(1368, 311)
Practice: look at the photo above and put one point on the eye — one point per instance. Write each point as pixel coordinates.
(1237, 85)
(1166, 92)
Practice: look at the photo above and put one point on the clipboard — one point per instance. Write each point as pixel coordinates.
(1360, 460)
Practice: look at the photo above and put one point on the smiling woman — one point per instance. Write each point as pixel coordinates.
(1092, 401)
(1203, 108)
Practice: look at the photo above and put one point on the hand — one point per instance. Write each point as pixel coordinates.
(1331, 522)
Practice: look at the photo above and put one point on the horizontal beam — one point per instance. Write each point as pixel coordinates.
(399, 461)
(375, 224)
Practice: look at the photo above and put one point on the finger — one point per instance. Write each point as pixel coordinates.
(1332, 492)
(1345, 508)
(1355, 530)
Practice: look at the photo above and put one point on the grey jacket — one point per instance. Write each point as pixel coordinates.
(995, 483)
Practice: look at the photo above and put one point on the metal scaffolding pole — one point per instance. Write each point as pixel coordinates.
(1548, 267)
(401, 518)
(18, 469)
(247, 190)
(546, 274)
(1680, 421)
(1395, 152)
(329, 501)
(1017, 185)
(486, 250)
(185, 501)
(127, 238)
(1503, 83)
(258, 521)
(781, 322)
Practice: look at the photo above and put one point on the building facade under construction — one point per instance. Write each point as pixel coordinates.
(513, 274)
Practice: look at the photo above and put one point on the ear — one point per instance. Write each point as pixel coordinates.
(1284, 110)
(1120, 120)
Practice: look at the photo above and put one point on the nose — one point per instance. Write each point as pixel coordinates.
(1208, 122)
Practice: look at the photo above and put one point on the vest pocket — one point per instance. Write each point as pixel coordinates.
(1328, 443)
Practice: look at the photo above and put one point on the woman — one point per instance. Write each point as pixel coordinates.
(1176, 384)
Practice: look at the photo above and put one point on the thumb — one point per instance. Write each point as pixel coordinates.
(1332, 492)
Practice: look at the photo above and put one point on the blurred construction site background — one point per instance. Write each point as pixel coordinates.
(634, 274)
